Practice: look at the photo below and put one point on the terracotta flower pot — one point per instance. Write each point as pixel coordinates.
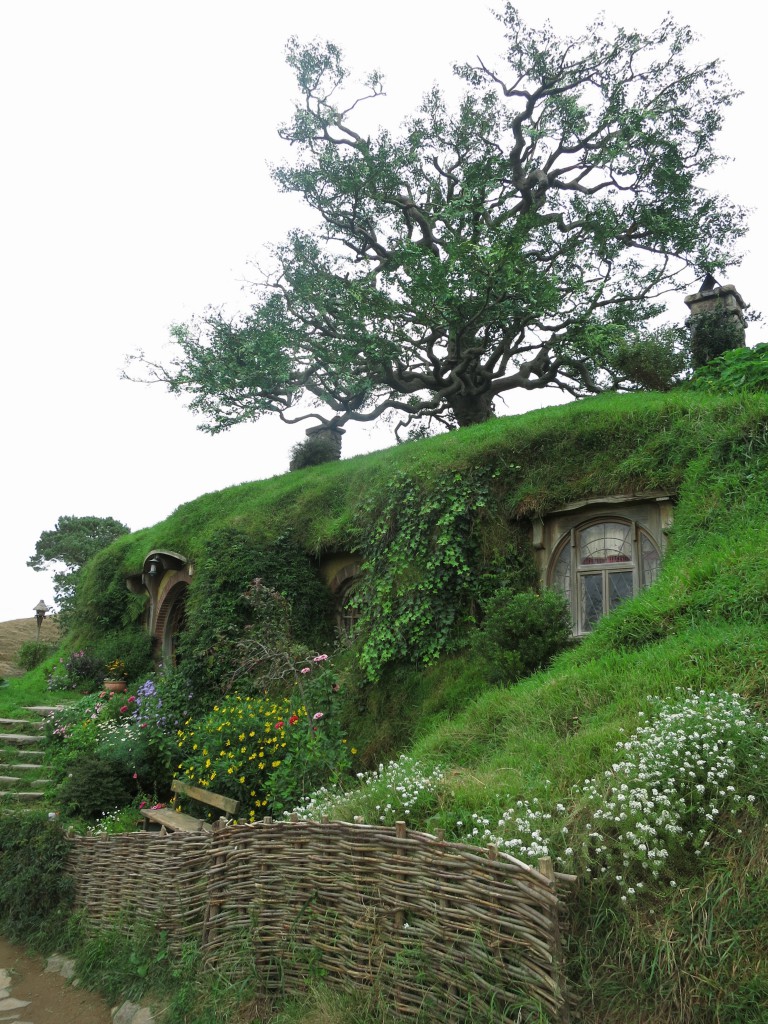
(115, 685)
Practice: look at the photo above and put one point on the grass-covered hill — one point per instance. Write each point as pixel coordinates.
(646, 736)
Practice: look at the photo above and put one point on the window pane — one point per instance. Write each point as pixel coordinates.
(561, 574)
(650, 561)
(591, 594)
(605, 542)
(619, 588)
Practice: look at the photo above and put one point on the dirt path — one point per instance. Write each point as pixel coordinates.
(51, 999)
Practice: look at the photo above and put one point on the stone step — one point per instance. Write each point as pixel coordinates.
(21, 723)
(10, 780)
(44, 709)
(16, 794)
(18, 739)
(20, 766)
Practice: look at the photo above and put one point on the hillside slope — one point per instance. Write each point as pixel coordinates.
(442, 524)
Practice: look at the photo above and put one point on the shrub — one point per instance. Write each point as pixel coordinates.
(317, 448)
(690, 772)
(714, 333)
(401, 790)
(80, 671)
(521, 633)
(218, 607)
(35, 889)
(33, 653)
(737, 369)
(96, 781)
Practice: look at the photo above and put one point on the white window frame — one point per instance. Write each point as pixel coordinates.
(642, 574)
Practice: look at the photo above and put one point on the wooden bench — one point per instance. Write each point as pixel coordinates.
(175, 821)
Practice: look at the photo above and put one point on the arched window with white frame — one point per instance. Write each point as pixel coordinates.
(600, 563)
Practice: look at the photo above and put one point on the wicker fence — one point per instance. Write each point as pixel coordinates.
(438, 928)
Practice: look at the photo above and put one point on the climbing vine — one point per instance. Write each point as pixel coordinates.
(425, 571)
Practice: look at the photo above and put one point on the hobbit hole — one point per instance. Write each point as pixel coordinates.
(164, 579)
(600, 552)
(342, 574)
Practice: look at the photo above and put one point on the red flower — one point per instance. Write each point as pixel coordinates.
(293, 720)
(279, 725)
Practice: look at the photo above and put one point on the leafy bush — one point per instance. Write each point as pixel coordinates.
(96, 781)
(520, 633)
(317, 448)
(738, 369)
(33, 653)
(712, 334)
(80, 671)
(35, 889)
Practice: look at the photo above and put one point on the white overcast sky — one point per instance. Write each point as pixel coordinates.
(134, 191)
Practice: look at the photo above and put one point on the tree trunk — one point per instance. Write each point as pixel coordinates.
(470, 409)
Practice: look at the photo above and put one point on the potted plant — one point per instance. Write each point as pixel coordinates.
(116, 680)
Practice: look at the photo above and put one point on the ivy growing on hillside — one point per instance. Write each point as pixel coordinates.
(426, 570)
(218, 609)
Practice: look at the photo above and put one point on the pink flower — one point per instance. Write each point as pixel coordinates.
(305, 670)
(135, 775)
(123, 708)
(142, 804)
(321, 657)
(317, 715)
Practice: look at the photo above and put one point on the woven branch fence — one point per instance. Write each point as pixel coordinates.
(441, 929)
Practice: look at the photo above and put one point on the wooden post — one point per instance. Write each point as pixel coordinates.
(547, 868)
(400, 833)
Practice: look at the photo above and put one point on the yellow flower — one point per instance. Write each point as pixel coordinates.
(276, 764)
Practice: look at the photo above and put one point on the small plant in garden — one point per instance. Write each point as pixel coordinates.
(689, 773)
(116, 669)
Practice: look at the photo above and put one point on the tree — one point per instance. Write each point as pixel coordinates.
(71, 543)
(520, 240)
